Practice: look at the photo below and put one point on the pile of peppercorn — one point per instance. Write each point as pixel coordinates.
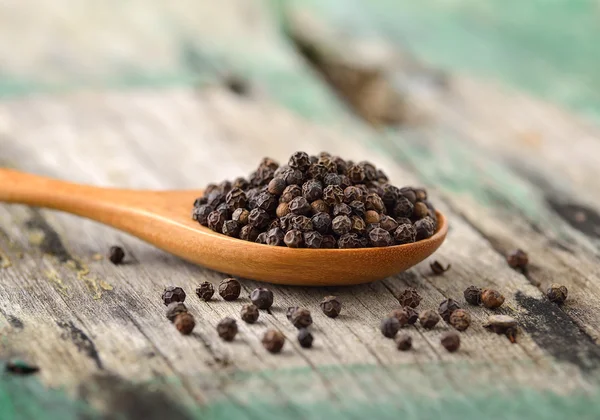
(317, 202)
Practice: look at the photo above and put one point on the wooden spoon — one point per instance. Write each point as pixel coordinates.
(163, 218)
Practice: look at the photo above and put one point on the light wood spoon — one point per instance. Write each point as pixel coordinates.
(163, 218)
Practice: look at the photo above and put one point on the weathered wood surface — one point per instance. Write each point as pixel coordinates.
(497, 165)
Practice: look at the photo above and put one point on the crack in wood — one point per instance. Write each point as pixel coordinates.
(81, 340)
(50, 243)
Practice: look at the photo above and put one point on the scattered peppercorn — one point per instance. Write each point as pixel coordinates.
(333, 203)
(230, 289)
(331, 306)
(460, 319)
(173, 294)
(409, 297)
(557, 293)
(401, 314)
(389, 326)
(403, 342)
(451, 341)
(447, 307)
(273, 341)
(301, 318)
(472, 295)
(227, 329)
(491, 298)
(413, 315)
(518, 259)
(174, 309)
(305, 338)
(438, 268)
(428, 319)
(262, 297)
(185, 323)
(116, 255)
(205, 291)
(249, 313)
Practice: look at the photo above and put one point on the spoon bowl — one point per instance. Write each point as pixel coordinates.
(163, 218)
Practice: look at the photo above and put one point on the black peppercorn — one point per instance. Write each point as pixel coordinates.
(236, 198)
(231, 228)
(438, 269)
(116, 255)
(258, 218)
(333, 194)
(349, 240)
(329, 164)
(249, 233)
(341, 225)
(410, 297)
(342, 209)
(290, 192)
(420, 210)
(312, 190)
(185, 323)
(403, 342)
(301, 318)
(353, 194)
(261, 238)
(174, 309)
(299, 160)
(294, 238)
(173, 294)
(405, 234)
(413, 315)
(374, 202)
(227, 329)
(321, 222)
(266, 201)
(300, 206)
(200, 214)
(262, 297)
(389, 327)
(240, 182)
(249, 313)
(331, 306)
(388, 223)
(302, 223)
(215, 221)
(447, 307)
(358, 225)
(273, 341)
(332, 179)
(277, 186)
(379, 237)
(358, 208)
(472, 295)
(230, 289)
(428, 319)
(240, 216)
(205, 291)
(371, 216)
(401, 314)
(557, 293)
(225, 209)
(319, 206)
(275, 237)
(356, 174)
(460, 319)
(329, 242)
(317, 171)
(425, 228)
(313, 239)
(450, 341)
(225, 186)
(305, 338)
(518, 259)
(491, 298)
(282, 210)
(403, 207)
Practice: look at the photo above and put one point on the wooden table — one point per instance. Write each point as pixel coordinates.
(493, 107)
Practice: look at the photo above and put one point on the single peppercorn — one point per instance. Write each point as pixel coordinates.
(356, 174)
(300, 206)
(428, 319)
(174, 309)
(491, 298)
(276, 186)
(116, 255)
(200, 214)
(302, 223)
(299, 160)
(460, 319)
(401, 314)
(413, 315)
(438, 269)
(450, 341)
(317, 171)
(472, 295)
(290, 192)
(240, 216)
(231, 228)
(225, 209)
(358, 225)
(410, 297)
(273, 341)
(319, 206)
(388, 223)
(240, 182)
(301, 318)
(249, 233)
(403, 342)
(215, 221)
(331, 306)
(403, 207)
(557, 293)
(230, 289)
(389, 327)
(371, 216)
(341, 225)
(205, 291)
(420, 210)
(275, 237)
(294, 239)
(312, 190)
(358, 208)
(227, 329)
(262, 297)
(342, 209)
(249, 313)
(518, 259)
(258, 218)
(185, 323)
(236, 198)
(405, 234)
(313, 239)
(321, 222)
(173, 294)
(332, 179)
(328, 242)
(379, 237)
(425, 228)
(305, 338)
(374, 202)
(267, 202)
(353, 193)
(349, 240)
(261, 238)
(333, 194)
(282, 210)
(447, 307)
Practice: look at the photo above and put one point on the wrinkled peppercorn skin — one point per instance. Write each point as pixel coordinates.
(173, 294)
(331, 306)
(230, 289)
